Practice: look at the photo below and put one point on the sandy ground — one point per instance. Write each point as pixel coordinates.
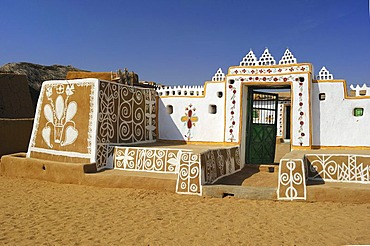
(35, 212)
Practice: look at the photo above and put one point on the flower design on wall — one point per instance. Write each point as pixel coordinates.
(301, 133)
(232, 112)
(189, 120)
(59, 115)
(269, 70)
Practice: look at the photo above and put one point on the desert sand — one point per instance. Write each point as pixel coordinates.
(35, 212)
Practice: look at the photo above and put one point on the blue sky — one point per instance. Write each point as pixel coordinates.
(185, 42)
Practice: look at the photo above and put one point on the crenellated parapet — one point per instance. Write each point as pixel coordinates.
(181, 90)
(363, 90)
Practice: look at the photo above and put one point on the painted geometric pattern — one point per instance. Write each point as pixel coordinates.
(126, 115)
(219, 163)
(292, 182)
(182, 162)
(145, 159)
(189, 177)
(339, 168)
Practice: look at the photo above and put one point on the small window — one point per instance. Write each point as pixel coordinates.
(322, 96)
(169, 109)
(167, 93)
(362, 92)
(219, 94)
(212, 109)
(231, 81)
(301, 79)
(191, 93)
(357, 112)
(185, 93)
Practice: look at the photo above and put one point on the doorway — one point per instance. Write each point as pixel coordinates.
(261, 126)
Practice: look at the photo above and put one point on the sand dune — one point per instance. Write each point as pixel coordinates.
(35, 212)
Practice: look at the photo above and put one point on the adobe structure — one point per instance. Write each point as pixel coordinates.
(203, 133)
(16, 113)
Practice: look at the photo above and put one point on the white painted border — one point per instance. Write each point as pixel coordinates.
(91, 82)
(60, 152)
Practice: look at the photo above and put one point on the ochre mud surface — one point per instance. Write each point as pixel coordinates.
(35, 212)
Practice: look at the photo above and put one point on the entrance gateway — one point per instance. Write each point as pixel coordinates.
(261, 126)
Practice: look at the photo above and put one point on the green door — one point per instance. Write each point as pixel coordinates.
(261, 127)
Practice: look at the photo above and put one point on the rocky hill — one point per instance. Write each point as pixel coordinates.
(36, 74)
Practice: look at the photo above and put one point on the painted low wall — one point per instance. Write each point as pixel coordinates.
(184, 163)
(193, 170)
(218, 163)
(338, 167)
(78, 121)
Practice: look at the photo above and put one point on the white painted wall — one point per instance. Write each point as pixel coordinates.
(333, 121)
(208, 128)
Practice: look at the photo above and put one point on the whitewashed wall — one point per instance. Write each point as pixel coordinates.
(208, 127)
(300, 128)
(333, 121)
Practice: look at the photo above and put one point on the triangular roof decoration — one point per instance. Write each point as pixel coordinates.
(219, 75)
(249, 60)
(324, 74)
(287, 58)
(266, 59)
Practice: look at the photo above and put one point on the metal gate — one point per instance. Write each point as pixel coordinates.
(261, 127)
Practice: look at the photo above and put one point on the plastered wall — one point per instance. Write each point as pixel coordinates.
(82, 120)
(191, 119)
(333, 121)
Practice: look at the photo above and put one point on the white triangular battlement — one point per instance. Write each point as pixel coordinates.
(266, 59)
(219, 75)
(287, 58)
(324, 74)
(363, 90)
(249, 60)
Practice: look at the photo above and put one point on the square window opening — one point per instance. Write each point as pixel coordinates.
(212, 109)
(169, 109)
(357, 112)
(322, 96)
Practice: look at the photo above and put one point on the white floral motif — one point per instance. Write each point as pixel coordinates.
(59, 115)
